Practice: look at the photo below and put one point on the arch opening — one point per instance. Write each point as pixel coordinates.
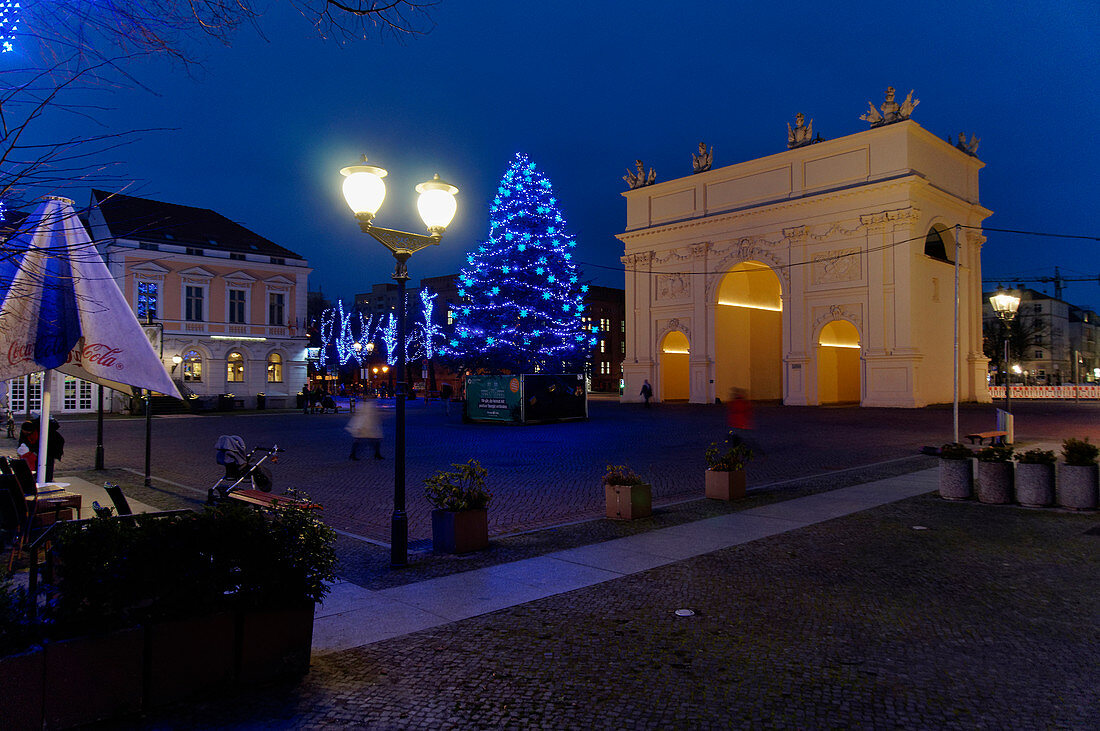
(748, 332)
(674, 354)
(838, 367)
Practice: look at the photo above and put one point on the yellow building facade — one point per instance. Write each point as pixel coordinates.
(822, 274)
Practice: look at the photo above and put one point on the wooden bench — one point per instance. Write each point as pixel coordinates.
(267, 500)
(992, 436)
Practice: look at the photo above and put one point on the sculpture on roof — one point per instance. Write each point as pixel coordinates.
(640, 178)
(802, 134)
(969, 147)
(891, 110)
(701, 163)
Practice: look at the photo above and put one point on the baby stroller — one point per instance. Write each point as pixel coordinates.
(241, 472)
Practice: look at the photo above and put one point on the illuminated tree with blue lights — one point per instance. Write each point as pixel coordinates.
(523, 303)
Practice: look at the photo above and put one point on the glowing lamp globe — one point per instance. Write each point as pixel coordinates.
(364, 189)
(1005, 304)
(436, 203)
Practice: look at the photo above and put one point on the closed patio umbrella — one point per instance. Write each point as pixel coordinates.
(62, 311)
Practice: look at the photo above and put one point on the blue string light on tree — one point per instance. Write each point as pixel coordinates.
(9, 24)
(524, 309)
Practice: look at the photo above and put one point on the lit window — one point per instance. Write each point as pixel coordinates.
(622, 326)
(603, 346)
(234, 367)
(274, 368)
(192, 366)
(147, 296)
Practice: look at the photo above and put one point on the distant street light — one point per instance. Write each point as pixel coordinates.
(1005, 303)
(364, 191)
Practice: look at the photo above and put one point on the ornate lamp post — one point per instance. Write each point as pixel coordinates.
(1005, 303)
(364, 191)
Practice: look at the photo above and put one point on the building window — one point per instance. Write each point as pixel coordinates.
(605, 324)
(1038, 354)
(934, 245)
(193, 304)
(236, 306)
(69, 401)
(450, 316)
(275, 308)
(194, 252)
(234, 255)
(147, 296)
(234, 367)
(192, 367)
(622, 348)
(603, 346)
(622, 326)
(278, 260)
(274, 368)
(148, 247)
(605, 368)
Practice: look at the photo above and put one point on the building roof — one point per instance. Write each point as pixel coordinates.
(130, 217)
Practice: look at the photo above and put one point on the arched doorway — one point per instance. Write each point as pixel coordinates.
(838, 371)
(674, 354)
(748, 333)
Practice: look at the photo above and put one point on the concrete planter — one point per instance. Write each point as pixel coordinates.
(1035, 484)
(994, 484)
(274, 643)
(462, 531)
(956, 479)
(187, 656)
(1077, 487)
(725, 485)
(627, 502)
(94, 678)
(23, 679)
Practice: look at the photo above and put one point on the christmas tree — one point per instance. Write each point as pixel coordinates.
(523, 304)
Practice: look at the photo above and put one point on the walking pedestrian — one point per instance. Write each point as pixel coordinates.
(739, 410)
(445, 393)
(365, 426)
(647, 392)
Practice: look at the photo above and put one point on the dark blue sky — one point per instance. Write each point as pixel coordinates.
(585, 88)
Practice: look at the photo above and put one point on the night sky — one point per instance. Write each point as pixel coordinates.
(263, 128)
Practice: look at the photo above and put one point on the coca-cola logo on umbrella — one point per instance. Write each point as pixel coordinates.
(100, 353)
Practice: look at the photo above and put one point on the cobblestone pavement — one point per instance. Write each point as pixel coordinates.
(540, 475)
(985, 619)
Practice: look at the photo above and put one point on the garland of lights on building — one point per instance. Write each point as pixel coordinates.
(523, 306)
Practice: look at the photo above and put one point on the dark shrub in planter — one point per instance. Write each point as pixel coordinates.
(627, 496)
(956, 472)
(460, 523)
(995, 474)
(1077, 485)
(1035, 478)
(22, 664)
(725, 475)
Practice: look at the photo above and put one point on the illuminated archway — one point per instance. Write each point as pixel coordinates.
(838, 371)
(748, 333)
(674, 354)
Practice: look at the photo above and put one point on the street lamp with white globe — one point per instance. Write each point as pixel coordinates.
(1005, 303)
(365, 190)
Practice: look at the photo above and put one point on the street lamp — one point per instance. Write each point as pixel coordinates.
(364, 191)
(1005, 303)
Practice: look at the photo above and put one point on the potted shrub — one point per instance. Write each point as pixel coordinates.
(627, 495)
(725, 475)
(460, 522)
(956, 472)
(22, 662)
(995, 474)
(1035, 478)
(1077, 485)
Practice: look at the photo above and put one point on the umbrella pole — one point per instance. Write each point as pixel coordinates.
(44, 428)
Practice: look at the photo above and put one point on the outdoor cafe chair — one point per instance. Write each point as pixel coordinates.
(23, 475)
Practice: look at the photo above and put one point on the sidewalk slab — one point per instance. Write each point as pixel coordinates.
(353, 616)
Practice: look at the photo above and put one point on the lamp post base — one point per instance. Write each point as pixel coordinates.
(399, 539)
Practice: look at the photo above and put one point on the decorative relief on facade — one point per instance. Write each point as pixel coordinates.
(853, 313)
(841, 265)
(664, 327)
(833, 229)
(673, 286)
(891, 110)
(902, 215)
(672, 255)
(701, 163)
(796, 234)
(699, 250)
(640, 178)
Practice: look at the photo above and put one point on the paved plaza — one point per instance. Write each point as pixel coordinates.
(913, 612)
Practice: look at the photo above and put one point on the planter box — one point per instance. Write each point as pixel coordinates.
(995, 482)
(186, 656)
(1077, 487)
(725, 485)
(23, 684)
(93, 678)
(956, 479)
(627, 502)
(462, 531)
(274, 644)
(1035, 485)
